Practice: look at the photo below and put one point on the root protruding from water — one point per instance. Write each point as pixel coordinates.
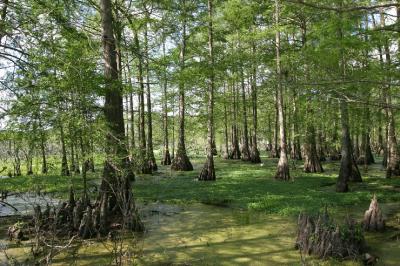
(322, 237)
(373, 218)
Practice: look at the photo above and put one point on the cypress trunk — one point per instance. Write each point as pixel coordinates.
(115, 201)
(166, 157)
(282, 171)
(64, 161)
(208, 171)
(151, 160)
(181, 161)
(144, 166)
(312, 163)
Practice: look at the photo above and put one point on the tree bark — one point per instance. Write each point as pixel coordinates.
(181, 161)
(226, 134)
(64, 161)
(282, 171)
(245, 146)
(348, 168)
(255, 154)
(43, 148)
(151, 160)
(208, 171)
(235, 151)
(296, 151)
(366, 156)
(144, 166)
(312, 163)
(166, 157)
(393, 154)
(115, 198)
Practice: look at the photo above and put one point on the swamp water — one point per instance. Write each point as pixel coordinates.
(199, 234)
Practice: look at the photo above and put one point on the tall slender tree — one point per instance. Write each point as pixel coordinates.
(282, 171)
(208, 171)
(181, 161)
(116, 197)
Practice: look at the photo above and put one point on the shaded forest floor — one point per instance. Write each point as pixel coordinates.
(244, 218)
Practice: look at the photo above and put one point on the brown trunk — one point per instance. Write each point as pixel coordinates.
(312, 163)
(17, 160)
(181, 161)
(366, 156)
(275, 148)
(72, 148)
(77, 160)
(151, 160)
(348, 168)
(130, 111)
(393, 155)
(85, 166)
(43, 147)
(208, 171)
(296, 151)
(144, 167)
(64, 161)
(226, 155)
(115, 200)
(166, 157)
(132, 120)
(235, 151)
(282, 171)
(245, 145)
(255, 154)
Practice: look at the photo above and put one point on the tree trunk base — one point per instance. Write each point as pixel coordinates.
(392, 171)
(181, 162)
(335, 157)
(355, 173)
(246, 154)
(255, 156)
(208, 171)
(312, 165)
(234, 154)
(321, 237)
(166, 159)
(373, 219)
(152, 163)
(368, 161)
(282, 172)
(88, 220)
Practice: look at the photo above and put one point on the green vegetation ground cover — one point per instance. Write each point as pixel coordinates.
(239, 185)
